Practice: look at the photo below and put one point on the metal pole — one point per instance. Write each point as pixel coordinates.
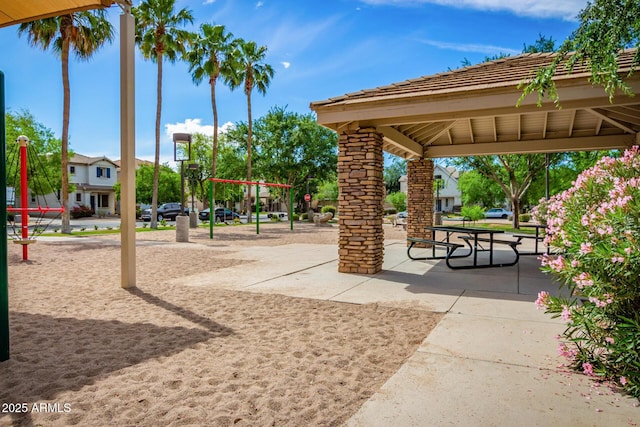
(24, 197)
(212, 210)
(181, 187)
(291, 207)
(127, 150)
(4, 268)
(257, 209)
(546, 178)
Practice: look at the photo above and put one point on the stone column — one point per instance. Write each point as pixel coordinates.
(360, 210)
(419, 198)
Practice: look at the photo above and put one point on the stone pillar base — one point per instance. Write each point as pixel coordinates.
(193, 220)
(182, 228)
(360, 177)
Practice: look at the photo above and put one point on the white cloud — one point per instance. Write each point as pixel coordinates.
(286, 64)
(259, 4)
(470, 47)
(565, 9)
(209, 1)
(193, 126)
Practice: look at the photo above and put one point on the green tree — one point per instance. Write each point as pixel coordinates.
(392, 173)
(328, 190)
(159, 36)
(513, 173)
(543, 44)
(168, 190)
(290, 147)
(477, 189)
(251, 72)
(606, 28)
(80, 33)
(46, 175)
(398, 200)
(209, 56)
(232, 163)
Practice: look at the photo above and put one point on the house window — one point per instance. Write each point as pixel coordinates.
(104, 200)
(102, 172)
(72, 170)
(78, 197)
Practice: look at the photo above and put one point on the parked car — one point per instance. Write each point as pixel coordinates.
(165, 211)
(221, 214)
(498, 213)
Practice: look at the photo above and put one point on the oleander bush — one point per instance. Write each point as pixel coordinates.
(595, 230)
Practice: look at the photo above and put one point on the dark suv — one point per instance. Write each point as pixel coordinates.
(222, 214)
(165, 211)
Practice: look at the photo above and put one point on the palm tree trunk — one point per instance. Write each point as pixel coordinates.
(249, 132)
(156, 164)
(66, 107)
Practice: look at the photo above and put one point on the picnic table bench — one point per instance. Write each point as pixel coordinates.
(473, 237)
(451, 248)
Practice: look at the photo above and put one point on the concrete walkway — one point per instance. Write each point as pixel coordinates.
(491, 361)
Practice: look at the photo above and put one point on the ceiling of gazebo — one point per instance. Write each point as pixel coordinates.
(18, 11)
(472, 111)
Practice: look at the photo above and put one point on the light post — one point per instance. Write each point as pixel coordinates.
(182, 153)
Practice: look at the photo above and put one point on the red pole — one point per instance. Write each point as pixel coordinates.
(24, 196)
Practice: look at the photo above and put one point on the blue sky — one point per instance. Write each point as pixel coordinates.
(318, 48)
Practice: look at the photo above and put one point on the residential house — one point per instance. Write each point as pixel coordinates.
(94, 178)
(447, 196)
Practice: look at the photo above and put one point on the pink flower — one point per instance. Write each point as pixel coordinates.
(587, 368)
(623, 381)
(543, 300)
(609, 340)
(566, 313)
(585, 248)
(627, 250)
(617, 259)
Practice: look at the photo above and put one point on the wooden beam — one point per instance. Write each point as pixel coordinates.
(610, 120)
(401, 141)
(588, 143)
(471, 131)
(572, 122)
(442, 132)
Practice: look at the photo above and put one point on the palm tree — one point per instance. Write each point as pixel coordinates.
(82, 33)
(210, 56)
(251, 71)
(158, 36)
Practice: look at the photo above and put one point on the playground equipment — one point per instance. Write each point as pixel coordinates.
(257, 184)
(24, 238)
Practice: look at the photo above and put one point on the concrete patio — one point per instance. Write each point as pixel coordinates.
(492, 360)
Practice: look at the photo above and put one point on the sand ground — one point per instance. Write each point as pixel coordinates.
(86, 352)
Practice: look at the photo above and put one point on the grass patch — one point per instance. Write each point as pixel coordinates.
(105, 231)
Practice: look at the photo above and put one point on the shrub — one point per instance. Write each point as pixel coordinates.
(474, 212)
(331, 209)
(81, 211)
(296, 217)
(595, 225)
(525, 217)
(304, 216)
(398, 200)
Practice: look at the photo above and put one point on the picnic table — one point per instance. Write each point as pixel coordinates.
(537, 238)
(474, 237)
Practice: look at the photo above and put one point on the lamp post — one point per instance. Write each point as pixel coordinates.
(182, 153)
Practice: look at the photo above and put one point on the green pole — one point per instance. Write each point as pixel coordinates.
(291, 207)
(257, 208)
(212, 210)
(4, 269)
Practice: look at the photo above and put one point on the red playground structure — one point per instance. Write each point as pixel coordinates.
(24, 239)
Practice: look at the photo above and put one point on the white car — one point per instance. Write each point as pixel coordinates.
(498, 213)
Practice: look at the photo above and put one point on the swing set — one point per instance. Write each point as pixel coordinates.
(29, 167)
(257, 184)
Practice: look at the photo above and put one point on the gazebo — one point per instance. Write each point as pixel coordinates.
(465, 112)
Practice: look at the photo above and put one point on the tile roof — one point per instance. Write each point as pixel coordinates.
(505, 72)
